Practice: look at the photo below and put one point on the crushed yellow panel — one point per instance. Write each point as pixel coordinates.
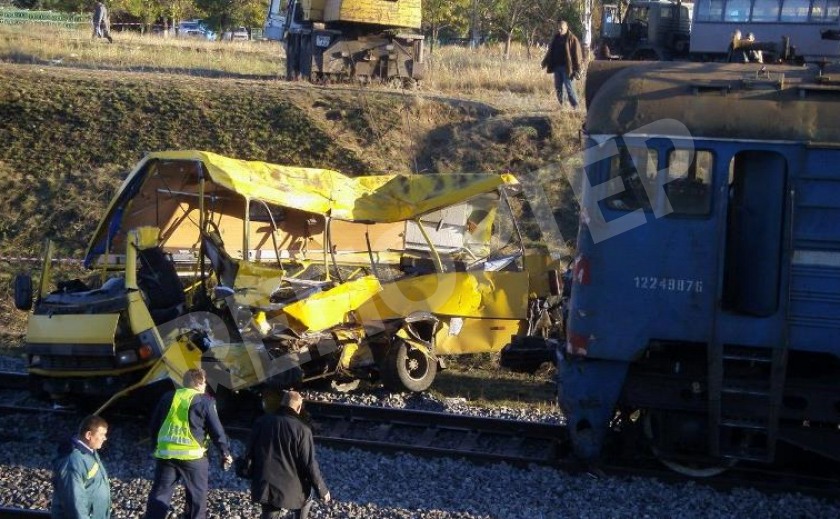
(538, 265)
(147, 237)
(240, 364)
(395, 13)
(347, 354)
(475, 335)
(502, 295)
(138, 313)
(327, 309)
(72, 329)
(255, 283)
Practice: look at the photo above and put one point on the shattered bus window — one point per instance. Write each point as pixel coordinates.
(469, 235)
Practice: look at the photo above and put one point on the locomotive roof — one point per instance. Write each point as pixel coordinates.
(721, 100)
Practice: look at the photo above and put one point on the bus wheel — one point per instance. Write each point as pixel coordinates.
(407, 369)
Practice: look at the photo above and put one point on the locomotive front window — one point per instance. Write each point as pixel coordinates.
(636, 167)
(688, 185)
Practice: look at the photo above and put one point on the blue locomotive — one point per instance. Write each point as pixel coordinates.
(706, 300)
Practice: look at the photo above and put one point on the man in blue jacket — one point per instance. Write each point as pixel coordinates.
(181, 424)
(80, 483)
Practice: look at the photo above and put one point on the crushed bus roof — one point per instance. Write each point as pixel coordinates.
(375, 199)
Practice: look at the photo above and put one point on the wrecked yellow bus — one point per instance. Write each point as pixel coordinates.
(269, 274)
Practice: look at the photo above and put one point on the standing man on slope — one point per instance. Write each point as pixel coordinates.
(101, 22)
(565, 61)
(181, 423)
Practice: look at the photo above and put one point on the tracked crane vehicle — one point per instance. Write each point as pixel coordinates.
(349, 39)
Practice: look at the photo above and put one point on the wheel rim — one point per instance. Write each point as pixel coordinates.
(416, 364)
(694, 469)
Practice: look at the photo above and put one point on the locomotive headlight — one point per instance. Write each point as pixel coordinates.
(127, 357)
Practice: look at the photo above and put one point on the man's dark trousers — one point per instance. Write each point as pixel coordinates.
(193, 473)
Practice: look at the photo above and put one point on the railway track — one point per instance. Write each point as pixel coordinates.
(477, 439)
(399, 430)
(432, 434)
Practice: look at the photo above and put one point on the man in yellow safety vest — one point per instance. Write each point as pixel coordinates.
(181, 423)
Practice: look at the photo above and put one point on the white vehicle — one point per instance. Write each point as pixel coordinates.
(237, 34)
(194, 29)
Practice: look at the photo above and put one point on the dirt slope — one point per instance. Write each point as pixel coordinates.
(69, 136)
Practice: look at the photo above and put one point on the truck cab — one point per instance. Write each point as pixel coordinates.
(645, 30)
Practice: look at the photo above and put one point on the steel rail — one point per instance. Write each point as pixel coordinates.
(428, 433)
(479, 439)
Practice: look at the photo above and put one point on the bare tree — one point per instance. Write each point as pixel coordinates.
(509, 16)
(444, 14)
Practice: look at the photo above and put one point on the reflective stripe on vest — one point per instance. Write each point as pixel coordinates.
(93, 470)
(175, 440)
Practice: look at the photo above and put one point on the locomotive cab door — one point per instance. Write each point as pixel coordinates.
(754, 234)
(748, 355)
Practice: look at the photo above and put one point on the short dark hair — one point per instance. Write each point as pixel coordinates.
(194, 377)
(91, 424)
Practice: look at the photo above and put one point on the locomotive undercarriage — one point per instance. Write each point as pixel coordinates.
(665, 400)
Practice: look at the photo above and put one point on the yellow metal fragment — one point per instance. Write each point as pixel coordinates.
(326, 309)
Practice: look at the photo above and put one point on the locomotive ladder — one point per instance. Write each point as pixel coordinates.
(746, 385)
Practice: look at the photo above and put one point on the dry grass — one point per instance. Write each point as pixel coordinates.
(512, 85)
(480, 381)
(515, 84)
(493, 387)
(37, 44)
(472, 70)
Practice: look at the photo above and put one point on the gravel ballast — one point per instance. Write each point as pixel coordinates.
(370, 485)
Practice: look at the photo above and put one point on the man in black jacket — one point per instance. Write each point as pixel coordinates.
(282, 455)
(564, 59)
